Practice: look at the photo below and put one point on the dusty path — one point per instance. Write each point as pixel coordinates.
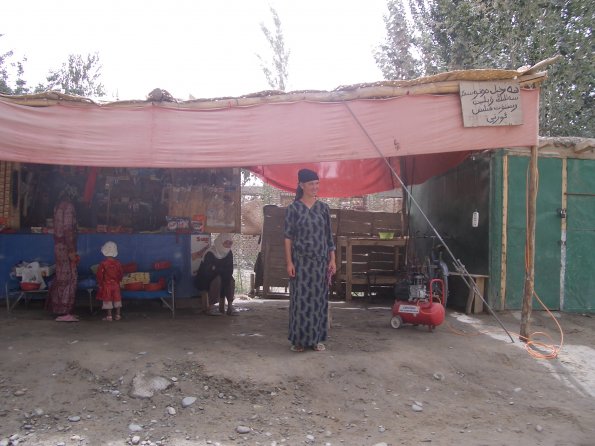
(70, 383)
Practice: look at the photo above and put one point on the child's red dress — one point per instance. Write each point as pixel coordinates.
(109, 276)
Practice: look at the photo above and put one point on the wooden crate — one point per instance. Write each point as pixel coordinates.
(273, 249)
(370, 265)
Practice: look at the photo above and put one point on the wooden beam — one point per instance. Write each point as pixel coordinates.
(563, 233)
(504, 240)
(530, 246)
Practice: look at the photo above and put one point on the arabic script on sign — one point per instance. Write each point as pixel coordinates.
(491, 103)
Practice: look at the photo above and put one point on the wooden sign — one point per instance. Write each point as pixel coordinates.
(491, 103)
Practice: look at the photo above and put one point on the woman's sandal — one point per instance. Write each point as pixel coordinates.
(117, 317)
(296, 348)
(107, 318)
(319, 347)
(67, 318)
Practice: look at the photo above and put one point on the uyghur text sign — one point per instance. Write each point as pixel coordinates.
(491, 103)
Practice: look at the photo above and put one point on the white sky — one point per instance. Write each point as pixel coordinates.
(198, 47)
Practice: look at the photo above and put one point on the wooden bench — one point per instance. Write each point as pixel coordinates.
(167, 295)
(474, 303)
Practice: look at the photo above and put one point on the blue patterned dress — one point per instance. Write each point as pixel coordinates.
(311, 241)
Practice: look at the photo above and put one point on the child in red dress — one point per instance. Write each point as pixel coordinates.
(109, 276)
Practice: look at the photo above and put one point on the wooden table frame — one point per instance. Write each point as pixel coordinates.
(349, 243)
(474, 303)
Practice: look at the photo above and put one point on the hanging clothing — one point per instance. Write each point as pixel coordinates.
(309, 230)
(63, 288)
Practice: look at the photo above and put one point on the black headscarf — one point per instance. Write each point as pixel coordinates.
(304, 176)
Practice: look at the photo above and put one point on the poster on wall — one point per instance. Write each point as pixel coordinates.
(221, 208)
(199, 244)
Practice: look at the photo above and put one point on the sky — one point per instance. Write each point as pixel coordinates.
(201, 48)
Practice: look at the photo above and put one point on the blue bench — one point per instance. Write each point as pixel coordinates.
(166, 295)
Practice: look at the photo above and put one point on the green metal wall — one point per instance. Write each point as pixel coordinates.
(478, 183)
(579, 277)
(547, 232)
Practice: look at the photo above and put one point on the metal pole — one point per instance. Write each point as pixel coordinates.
(457, 263)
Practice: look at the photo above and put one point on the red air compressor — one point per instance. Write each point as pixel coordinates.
(424, 307)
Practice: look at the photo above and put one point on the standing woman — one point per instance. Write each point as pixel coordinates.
(63, 288)
(310, 258)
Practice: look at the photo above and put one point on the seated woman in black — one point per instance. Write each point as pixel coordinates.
(215, 275)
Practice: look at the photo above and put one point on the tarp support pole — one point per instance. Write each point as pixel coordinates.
(530, 246)
(457, 263)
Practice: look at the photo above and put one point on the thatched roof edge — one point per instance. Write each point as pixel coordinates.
(576, 144)
(442, 83)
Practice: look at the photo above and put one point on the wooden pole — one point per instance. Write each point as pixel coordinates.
(530, 246)
(504, 252)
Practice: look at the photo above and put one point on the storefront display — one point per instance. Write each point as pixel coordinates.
(126, 200)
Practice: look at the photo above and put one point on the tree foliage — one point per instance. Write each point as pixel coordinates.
(19, 86)
(445, 35)
(78, 76)
(275, 70)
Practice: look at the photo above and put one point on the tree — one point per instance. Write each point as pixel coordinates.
(466, 34)
(79, 76)
(275, 70)
(20, 86)
(395, 56)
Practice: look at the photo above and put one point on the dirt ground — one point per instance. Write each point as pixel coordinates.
(465, 383)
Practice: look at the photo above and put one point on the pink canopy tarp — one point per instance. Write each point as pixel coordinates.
(362, 177)
(360, 132)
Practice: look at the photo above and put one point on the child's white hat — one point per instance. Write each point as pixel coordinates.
(109, 249)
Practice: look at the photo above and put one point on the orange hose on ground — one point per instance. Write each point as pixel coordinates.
(533, 347)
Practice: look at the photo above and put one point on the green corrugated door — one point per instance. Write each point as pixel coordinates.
(547, 235)
(580, 242)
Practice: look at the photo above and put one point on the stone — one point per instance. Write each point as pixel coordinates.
(132, 427)
(243, 430)
(145, 386)
(188, 401)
